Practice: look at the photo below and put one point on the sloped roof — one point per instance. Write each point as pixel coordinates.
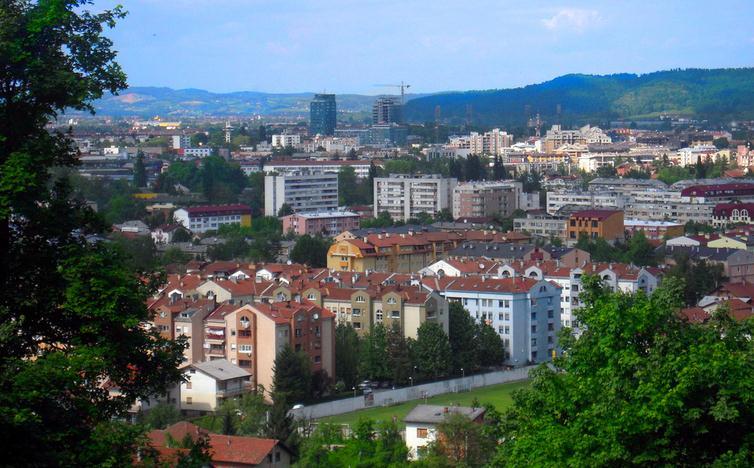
(221, 369)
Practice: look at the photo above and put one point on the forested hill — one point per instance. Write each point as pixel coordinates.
(717, 94)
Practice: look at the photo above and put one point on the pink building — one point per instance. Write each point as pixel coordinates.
(327, 223)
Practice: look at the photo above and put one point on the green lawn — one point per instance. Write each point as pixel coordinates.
(498, 395)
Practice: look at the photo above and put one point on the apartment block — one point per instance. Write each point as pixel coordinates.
(404, 196)
(484, 199)
(361, 168)
(302, 191)
(525, 313)
(541, 225)
(205, 218)
(556, 201)
(653, 230)
(326, 223)
(605, 224)
(284, 140)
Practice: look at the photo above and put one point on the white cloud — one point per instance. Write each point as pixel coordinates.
(572, 19)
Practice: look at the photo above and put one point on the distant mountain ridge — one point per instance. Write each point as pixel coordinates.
(716, 94)
(147, 101)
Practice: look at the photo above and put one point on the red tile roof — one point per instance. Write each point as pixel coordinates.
(510, 285)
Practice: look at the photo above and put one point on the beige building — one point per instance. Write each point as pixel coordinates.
(484, 199)
(210, 383)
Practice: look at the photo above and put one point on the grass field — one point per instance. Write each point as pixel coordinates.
(498, 395)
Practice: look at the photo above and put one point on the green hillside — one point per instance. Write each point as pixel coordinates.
(718, 95)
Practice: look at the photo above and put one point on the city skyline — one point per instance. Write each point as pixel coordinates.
(279, 48)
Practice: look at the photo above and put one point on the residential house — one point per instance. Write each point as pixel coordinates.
(422, 421)
(209, 383)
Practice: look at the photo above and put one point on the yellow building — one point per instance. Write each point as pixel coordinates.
(725, 242)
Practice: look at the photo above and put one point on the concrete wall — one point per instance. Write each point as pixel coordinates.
(400, 395)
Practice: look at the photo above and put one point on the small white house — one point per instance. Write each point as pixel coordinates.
(422, 421)
(209, 383)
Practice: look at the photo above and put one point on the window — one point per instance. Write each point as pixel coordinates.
(549, 339)
(395, 314)
(550, 313)
(534, 329)
(356, 312)
(391, 300)
(379, 315)
(360, 299)
(317, 359)
(534, 316)
(533, 355)
(500, 330)
(506, 303)
(500, 316)
(507, 316)
(550, 327)
(245, 348)
(534, 342)
(298, 332)
(421, 432)
(311, 296)
(357, 325)
(507, 330)
(188, 385)
(189, 400)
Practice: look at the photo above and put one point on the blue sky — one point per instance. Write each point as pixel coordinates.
(348, 46)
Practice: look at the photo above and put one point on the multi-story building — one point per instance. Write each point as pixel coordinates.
(557, 200)
(605, 224)
(403, 305)
(303, 326)
(328, 223)
(361, 168)
(541, 225)
(399, 253)
(387, 110)
(484, 199)
(665, 205)
(732, 213)
(322, 115)
(653, 230)
(195, 152)
(207, 384)
(181, 141)
(302, 191)
(525, 313)
(404, 196)
(491, 143)
(626, 186)
(205, 218)
(556, 137)
(283, 140)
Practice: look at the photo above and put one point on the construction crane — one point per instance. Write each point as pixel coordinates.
(402, 86)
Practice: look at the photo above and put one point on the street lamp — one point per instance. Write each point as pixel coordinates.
(463, 373)
(411, 380)
(354, 392)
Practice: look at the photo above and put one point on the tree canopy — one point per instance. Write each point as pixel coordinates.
(640, 386)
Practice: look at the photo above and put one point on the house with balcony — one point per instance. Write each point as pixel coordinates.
(210, 383)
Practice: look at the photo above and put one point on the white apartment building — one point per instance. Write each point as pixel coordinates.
(404, 196)
(541, 225)
(557, 200)
(361, 168)
(690, 156)
(283, 140)
(302, 191)
(525, 312)
(205, 218)
(196, 152)
(181, 141)
(665, 205)
(590, 162)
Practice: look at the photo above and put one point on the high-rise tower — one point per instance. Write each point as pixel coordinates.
(322, 114)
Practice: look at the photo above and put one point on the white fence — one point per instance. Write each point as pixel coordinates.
(417, 392)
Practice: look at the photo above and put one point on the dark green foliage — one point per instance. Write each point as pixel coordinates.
(374, 363)
(140, 252)
(432, 351)
(122, 208)
(219, 180)
(352, 190)
(400, 359)
(475, 168)
(498, 169)
(639, 387)
(181, 235)
(140, 173)
(718, 94)
(638, 250)
(461, 443)
(699, 277)
(253, 195)
(285, 210)
(347, 345)
(463, 345)
(73, 318)
(311, 251)
(532, 181)
(490, 345)
(370, 445)
(382, 220)
(161, 416)
(292, 375)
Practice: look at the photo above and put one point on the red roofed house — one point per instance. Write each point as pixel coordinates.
(200, 219)
(225, 451)
(607, 224)
(732, 213)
